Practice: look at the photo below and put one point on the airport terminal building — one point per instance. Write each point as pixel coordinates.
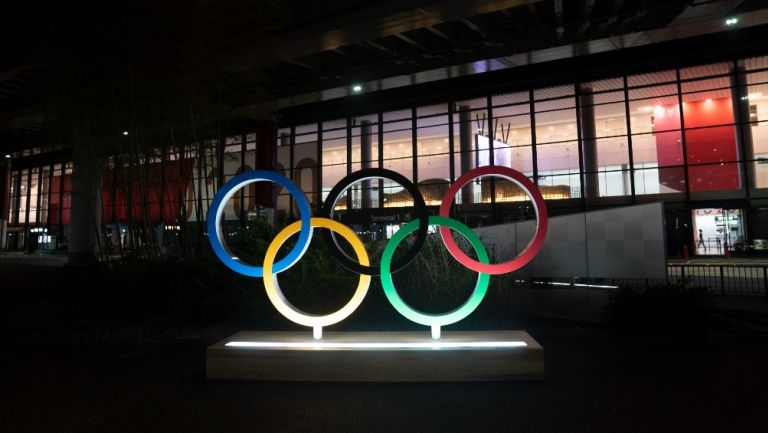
(672, 111)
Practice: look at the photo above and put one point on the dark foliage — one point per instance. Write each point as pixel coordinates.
(662, 308)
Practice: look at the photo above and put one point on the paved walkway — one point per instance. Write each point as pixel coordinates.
(596, 381)
(593, 385)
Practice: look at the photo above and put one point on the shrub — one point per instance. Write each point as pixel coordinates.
(665, 307)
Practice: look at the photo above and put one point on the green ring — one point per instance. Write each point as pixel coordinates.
(434, 319)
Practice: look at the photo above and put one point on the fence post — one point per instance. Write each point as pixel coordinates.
(722, 282)
(765, 280)
(682, 275)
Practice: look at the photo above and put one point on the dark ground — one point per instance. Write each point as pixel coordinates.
(598, 380)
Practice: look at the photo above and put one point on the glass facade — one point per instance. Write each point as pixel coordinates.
(678, 135)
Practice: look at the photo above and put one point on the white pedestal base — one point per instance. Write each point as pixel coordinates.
(377, 357)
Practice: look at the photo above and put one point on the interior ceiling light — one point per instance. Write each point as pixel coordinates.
(357, 88)
(125, 132)
(731, 21)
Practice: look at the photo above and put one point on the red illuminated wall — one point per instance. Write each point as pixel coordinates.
(711, 145)
(60, 204)
(172, 194)
(169, 191)
(669, 149)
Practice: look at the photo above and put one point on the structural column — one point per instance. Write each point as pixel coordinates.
(85, 221)
(588, 143)
(365, 162)
(740, 101)
(266, 159)
(5, 199)
(466, 149)
(285, 139)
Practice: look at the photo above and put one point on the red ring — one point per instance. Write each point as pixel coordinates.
(542, 220)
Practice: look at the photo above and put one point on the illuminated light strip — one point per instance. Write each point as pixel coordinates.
(373, 345)
(596, 285)
(555, 283)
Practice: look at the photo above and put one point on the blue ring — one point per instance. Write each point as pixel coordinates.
(216, 210)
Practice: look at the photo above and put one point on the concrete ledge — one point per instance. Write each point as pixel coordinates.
(377, 357)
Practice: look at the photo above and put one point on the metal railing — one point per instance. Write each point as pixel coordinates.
(723, 279)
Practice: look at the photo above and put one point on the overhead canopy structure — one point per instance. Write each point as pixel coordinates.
(253, 57)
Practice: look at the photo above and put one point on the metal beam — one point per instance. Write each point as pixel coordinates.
(586, 16)
(408, 16)
(474, 27)
(304, 65)
(443, 36)
(381, 48)
(341, 52)
(535, 13)
(515, 22)
(410, 41)
(558, 5)
(705, 22)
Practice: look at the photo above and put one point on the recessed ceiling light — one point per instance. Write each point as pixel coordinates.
(357, 88)
(125, 132)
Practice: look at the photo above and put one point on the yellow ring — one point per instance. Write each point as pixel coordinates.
(276, 295)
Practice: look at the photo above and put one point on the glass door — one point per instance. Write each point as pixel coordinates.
(716, 229)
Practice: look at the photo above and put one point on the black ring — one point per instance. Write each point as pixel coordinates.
(379, 173)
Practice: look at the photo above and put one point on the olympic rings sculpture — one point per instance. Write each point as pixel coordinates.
(305, 225)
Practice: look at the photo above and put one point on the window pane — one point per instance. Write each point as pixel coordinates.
(334, 154)
(471, 148)
(34, 189)
(556, 126)
(655, 114)
(708, 108)
(663, 148)
(305, 161)
(44, 189)
(651, 78)
(760, 143)
(398, 156)
(284, 200)
(610, 120)
(714, 177)
(559, 170)
(23, 203)
(705, 70)
(512, 135)
(433, 158)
